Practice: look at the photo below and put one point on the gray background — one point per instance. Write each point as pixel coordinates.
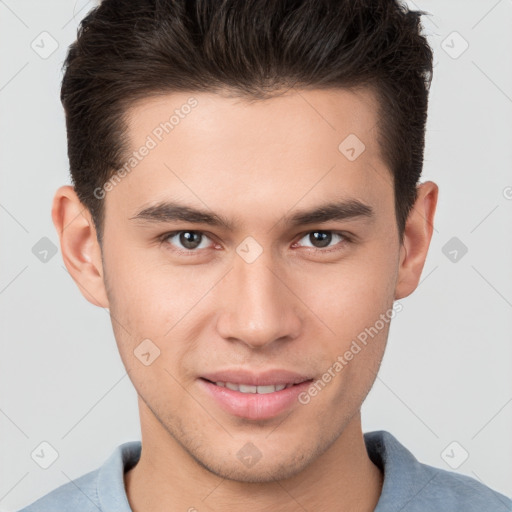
(447, 372)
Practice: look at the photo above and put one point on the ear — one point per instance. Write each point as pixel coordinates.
(80, 249)
(417, 236)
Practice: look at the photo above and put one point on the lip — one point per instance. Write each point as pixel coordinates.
(255, 406)
(266, 378)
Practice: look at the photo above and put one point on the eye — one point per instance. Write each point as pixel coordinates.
(190, 241)
(321, 239)
(186, 241)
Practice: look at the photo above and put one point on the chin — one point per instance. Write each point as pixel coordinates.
(263, 469)
(258, 474)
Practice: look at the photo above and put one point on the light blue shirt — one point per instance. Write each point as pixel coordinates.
(409, 485)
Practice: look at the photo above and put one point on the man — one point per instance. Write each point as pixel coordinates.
(246, 204)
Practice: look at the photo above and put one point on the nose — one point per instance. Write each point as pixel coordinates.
(258, 304)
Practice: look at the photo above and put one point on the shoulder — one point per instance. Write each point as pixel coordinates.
(78, 494)
(97, 490)
(459, 492)
(421, 487)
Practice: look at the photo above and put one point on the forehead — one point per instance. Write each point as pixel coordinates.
(296, 147)
(290, 116)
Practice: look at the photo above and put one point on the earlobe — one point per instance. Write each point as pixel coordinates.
(80, 249)
(417, 237)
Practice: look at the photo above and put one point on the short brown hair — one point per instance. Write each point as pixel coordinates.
(126, 51)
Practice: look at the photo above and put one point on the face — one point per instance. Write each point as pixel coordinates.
(254, 292)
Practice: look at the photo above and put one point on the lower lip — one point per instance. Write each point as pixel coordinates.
(254, 406)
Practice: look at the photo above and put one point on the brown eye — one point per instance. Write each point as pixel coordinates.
(186, 240)
(190, 239)
(322, 239)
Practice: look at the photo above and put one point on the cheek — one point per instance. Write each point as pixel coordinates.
(158, 302)
(352, 294)
(148, 288)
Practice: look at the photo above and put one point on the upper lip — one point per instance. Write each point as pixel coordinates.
(266, 378)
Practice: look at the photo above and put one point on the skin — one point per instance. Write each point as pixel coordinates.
(291, 308)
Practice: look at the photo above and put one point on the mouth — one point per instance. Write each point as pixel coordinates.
(248, 388)
(257, 402)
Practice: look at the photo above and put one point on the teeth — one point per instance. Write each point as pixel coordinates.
(245, 388)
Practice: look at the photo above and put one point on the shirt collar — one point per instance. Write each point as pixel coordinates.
(111, 490)
(404, 476)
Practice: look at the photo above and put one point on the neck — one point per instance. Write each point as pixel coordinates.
(167, 478)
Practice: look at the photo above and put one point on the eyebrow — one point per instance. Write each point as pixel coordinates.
(170, 211)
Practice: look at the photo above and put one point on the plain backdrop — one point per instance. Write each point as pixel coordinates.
(445, 385)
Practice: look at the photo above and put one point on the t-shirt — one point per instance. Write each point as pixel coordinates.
(409, 486)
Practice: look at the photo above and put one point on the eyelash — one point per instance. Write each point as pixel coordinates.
(193, 252)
